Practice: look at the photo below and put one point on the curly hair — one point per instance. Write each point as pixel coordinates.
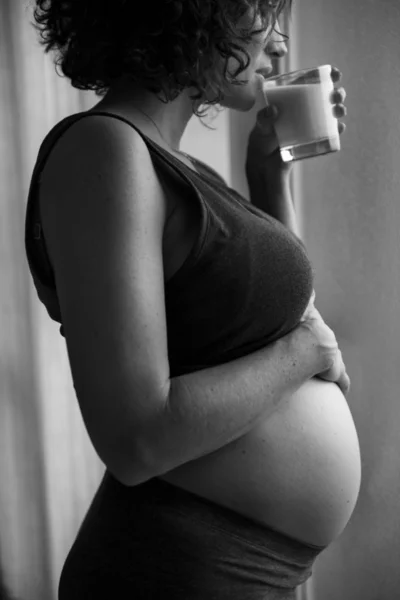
(166, 45)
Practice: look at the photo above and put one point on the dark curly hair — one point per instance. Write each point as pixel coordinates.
(167, 45)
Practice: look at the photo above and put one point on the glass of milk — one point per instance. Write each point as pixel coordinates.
(305, 125)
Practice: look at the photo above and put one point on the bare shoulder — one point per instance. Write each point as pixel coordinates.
(100, 170)
(103, 214)
(102, 147)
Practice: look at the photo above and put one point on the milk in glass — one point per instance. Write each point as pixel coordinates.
(305, 125)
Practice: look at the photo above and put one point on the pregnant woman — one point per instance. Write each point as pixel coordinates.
(208, 382)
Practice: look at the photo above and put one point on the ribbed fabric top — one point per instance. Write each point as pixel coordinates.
(245, 284)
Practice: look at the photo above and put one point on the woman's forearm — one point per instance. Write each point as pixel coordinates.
(210, 408)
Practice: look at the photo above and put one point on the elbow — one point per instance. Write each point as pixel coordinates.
(133, 449)
(133, 466)
(131, 477)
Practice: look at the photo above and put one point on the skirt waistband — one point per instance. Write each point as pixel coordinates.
(230, 522)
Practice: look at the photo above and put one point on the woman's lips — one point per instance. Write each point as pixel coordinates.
(265, 72)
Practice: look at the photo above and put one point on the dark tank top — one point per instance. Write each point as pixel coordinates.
(246, 282)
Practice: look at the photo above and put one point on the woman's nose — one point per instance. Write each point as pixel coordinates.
(276, 46)
(276, 50)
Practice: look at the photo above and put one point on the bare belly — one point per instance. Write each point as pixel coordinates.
(299, 471)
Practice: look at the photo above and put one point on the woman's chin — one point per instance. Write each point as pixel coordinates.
(241, 102)
(243, 98)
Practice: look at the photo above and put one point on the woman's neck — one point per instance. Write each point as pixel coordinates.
(169, 121)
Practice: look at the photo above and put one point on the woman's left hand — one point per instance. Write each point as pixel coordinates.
(263, 149)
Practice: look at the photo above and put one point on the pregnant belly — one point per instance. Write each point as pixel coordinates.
(298, 471)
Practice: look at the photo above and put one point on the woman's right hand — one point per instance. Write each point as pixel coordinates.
(318, 341)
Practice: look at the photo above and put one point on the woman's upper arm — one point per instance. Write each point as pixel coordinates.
(103, 213)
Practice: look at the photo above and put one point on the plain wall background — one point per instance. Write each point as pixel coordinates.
(351, 222)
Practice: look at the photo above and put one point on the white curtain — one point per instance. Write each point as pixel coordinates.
(48, 469)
